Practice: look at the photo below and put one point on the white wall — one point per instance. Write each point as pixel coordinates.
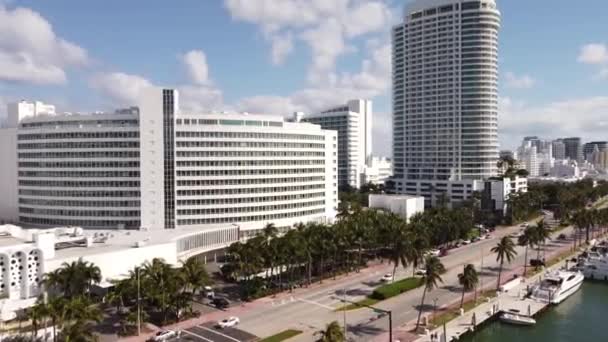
(404, 206)
(151, 159)
(9, 210)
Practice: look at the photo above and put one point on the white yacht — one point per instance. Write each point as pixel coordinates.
(557, 286)
(595, 266)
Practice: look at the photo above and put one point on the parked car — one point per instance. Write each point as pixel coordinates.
(475, 239)
(434, 252)
(524, 225)
(163, 335)
(228, 322)
(209, 293)
(561, 237)
(465, 242)
(220, 302)
(387, 278)
(537, 262)
(443, 252)
(420, 272)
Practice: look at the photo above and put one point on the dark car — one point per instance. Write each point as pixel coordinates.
(537, 262)
(220, 302)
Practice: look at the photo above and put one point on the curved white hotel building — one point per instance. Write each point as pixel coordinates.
(154, 167)
(445, 97)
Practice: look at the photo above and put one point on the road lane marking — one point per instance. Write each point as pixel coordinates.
(196, 335)
(315, 303)
(219, 333)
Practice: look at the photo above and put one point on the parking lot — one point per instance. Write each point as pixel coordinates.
(209, 333)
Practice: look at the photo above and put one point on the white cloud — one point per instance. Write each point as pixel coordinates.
(594, 54)
(122, 89)
(31, 52)
(282, 46)
(585, 117)
(200, 98)
(603, 74)
(195, 62)
(519, 82)
(326, 26)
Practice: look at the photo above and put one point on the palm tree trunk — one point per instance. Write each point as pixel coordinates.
(421, 307)
(462, 297)
(499, 274)
(525, 261)
(54, 322)
(309, 270)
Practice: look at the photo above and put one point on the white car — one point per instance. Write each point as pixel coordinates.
(387, 277)
(209, 293)
(420, 272)
(466, 242)
(434, 252)
(164, 335)
(228, 322)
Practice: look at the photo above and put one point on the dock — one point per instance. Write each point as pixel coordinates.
(512, 300)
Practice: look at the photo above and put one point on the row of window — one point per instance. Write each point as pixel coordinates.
(252, 218)
(249, 135)
(77, 155)
(79, 144)
(220, 201)
(235, 210)
(81, 123)
(228, 122)
(248, 191)
(81, 164)
(80, 184)
(246, 144)
(79, 193)
(79, 135)
(122, 224)
(203, 154)
(78, 174)
(217, 182)
(245, 163)
(67, 203)
(79, 213)
(193, 173)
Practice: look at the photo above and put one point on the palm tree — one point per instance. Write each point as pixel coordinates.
(159, 279)
(504, 249)
(433, 270)
(195, 275)
(37, 314)
(56, 310)
(468, 279)
(527, 239)
(541, 234)
(401, 248)
(332, 333)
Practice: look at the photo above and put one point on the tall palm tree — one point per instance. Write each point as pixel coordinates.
(159, 279)
(469, 280)
(527, 239)
(37, 314)
(332, 333)
(432, 277)
(505, 250)
(541, 234)
(56, 311)
(401, 248)
(194, 274)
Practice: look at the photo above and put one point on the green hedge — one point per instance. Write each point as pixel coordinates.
(396, 288)
(282, 336)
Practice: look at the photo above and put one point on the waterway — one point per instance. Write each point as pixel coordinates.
(583, 317)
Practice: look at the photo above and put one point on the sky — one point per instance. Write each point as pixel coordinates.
(281, 56)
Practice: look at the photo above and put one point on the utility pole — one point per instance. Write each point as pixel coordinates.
(138, 306)
(344, 312)
(377, 310)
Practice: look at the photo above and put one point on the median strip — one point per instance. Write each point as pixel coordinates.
(385, 292)
(282, 336)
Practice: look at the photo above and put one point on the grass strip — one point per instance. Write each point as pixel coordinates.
(385, 292)
(282, 336)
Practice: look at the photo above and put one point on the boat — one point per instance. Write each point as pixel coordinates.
(556, 286)
(595, 265)
(516, 319)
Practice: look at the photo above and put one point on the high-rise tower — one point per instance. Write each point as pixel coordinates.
(445, 97)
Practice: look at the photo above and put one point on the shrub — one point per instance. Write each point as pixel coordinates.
(396, 288)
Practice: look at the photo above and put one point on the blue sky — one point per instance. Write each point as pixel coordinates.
(277, 56)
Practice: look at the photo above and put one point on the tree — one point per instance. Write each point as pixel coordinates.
(73, 279)
(433, 270)
(504, 249)
(527, 239)
(332, 333)
(541, 234)
(195, 275)
(469, 280)
(37, 314)
(400, 250)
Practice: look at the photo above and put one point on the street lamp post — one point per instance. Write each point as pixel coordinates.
(138, 305)
(435, 307)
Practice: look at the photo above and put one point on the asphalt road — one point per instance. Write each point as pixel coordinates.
(209, 333)
(311, 311)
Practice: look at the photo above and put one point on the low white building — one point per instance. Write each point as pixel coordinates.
(402, 205)
(377, 170)
(27, 254)
(497, 192)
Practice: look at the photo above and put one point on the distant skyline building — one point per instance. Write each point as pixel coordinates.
(589, 147)
(574, 148)
(155, 167)
(377, 171)
(445, 98)
(353, 122)
(559, 149)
